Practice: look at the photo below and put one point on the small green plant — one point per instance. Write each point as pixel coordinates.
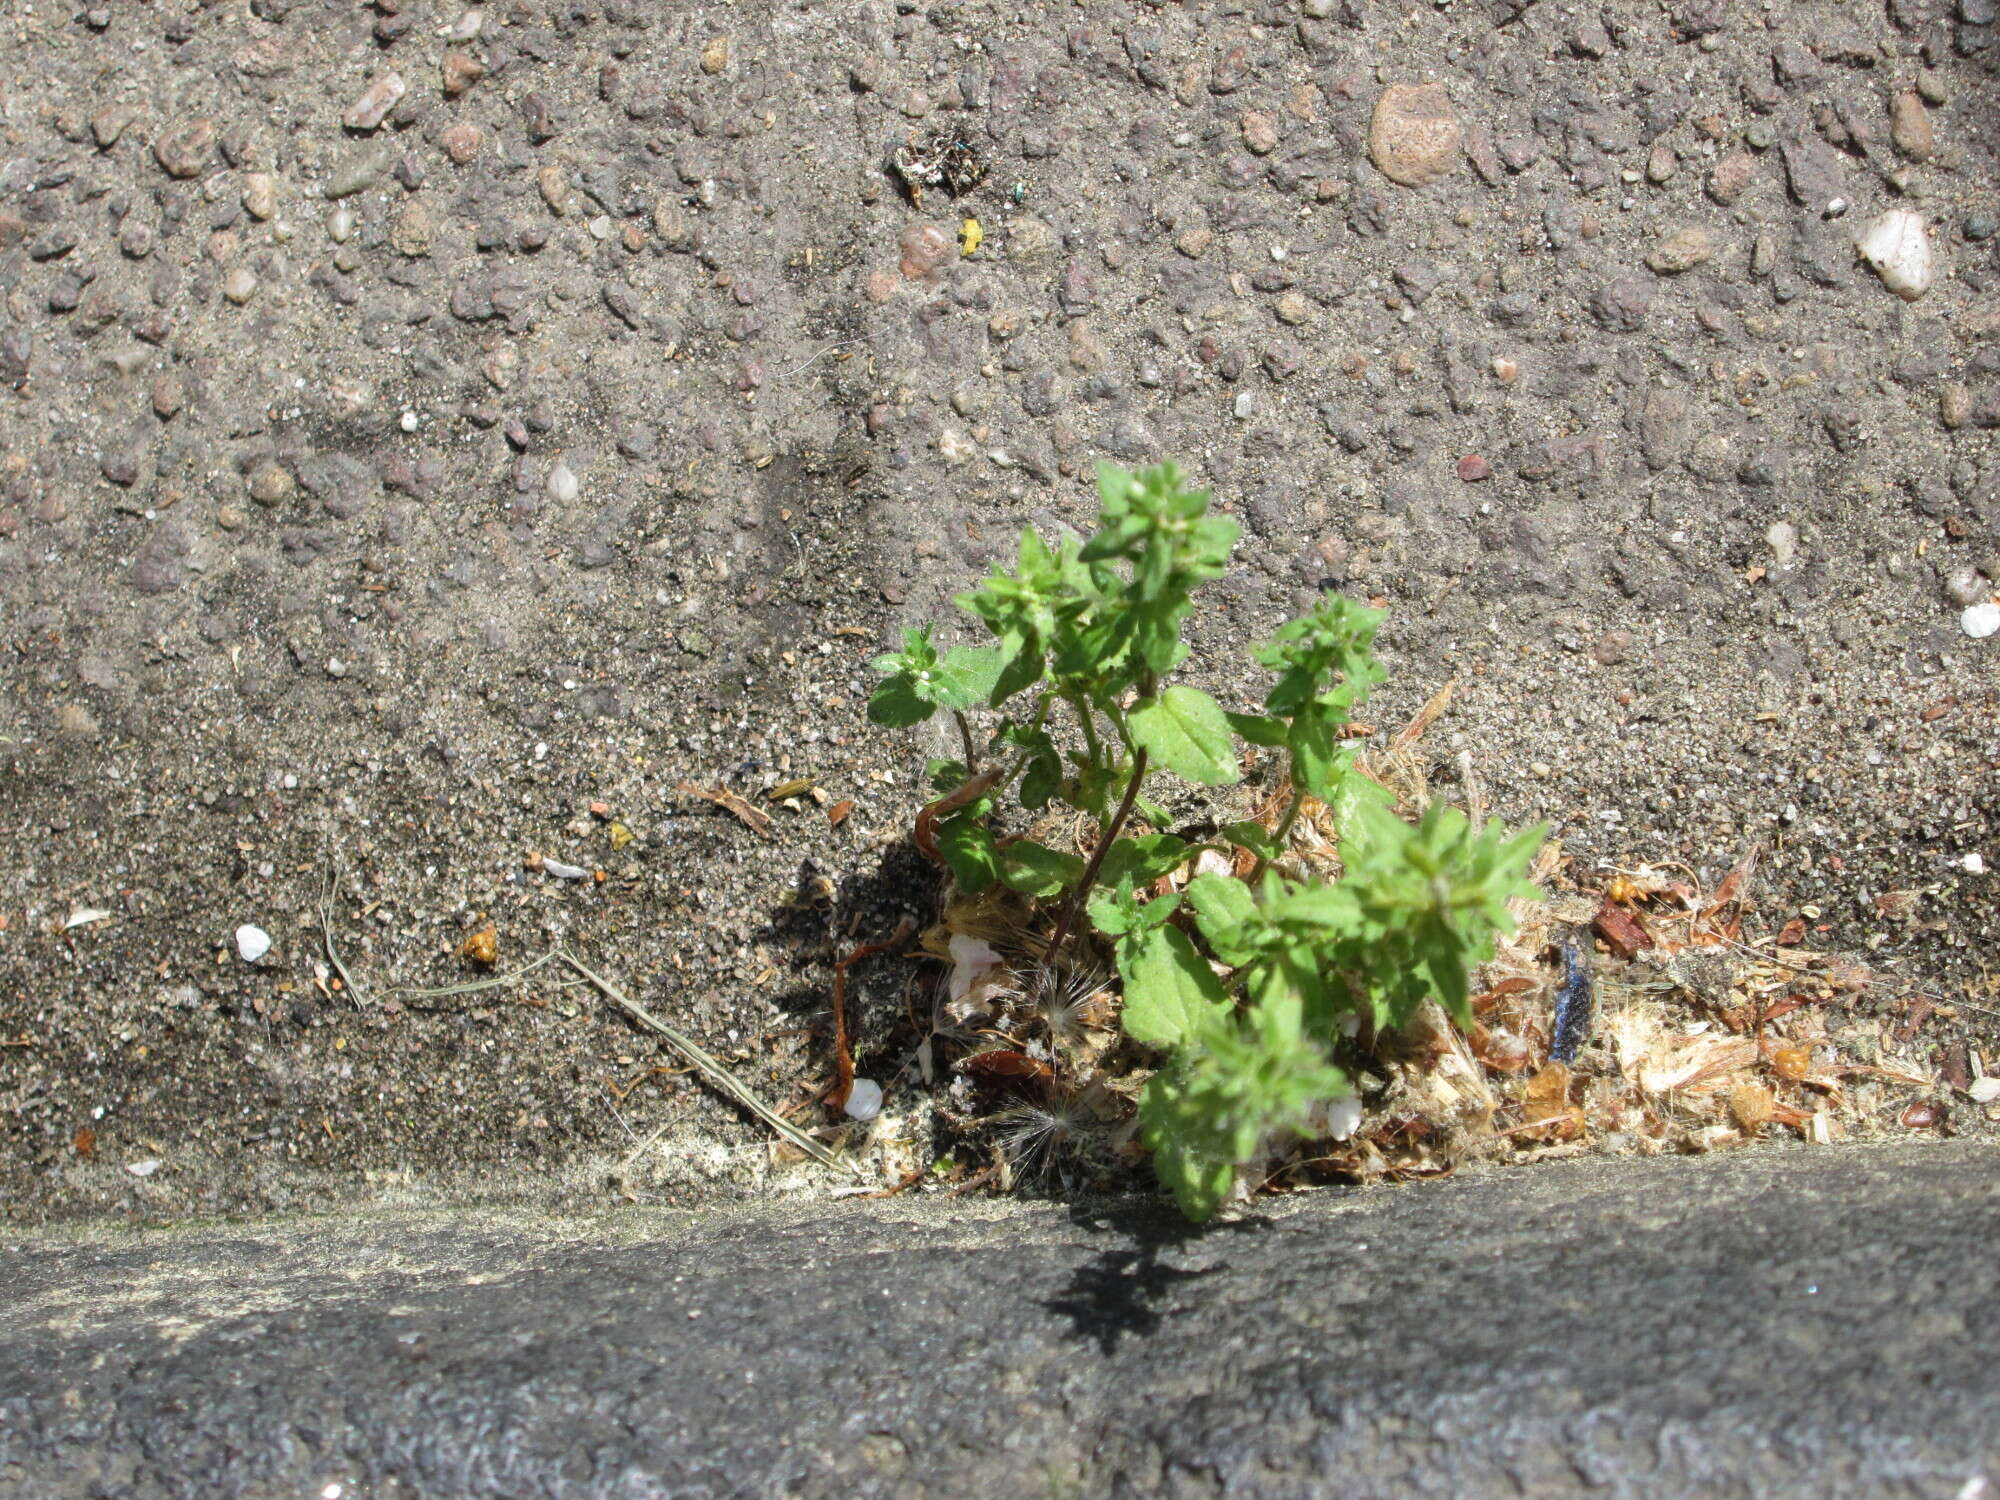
(1249, 986)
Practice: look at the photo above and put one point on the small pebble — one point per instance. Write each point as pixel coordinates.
(1900, 251)
(372, 108)
(1980, 621)
(1472, 469)
(252, 943)
(563, 486)
(1414, 135)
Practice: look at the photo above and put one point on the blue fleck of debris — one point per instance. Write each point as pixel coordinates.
(1573, 1003)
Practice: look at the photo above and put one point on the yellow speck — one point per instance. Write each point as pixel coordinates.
(969, 236)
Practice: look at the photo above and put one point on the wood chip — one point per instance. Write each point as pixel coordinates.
(757, 822)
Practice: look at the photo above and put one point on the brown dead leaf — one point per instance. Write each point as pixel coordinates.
(757, 822)
(1426, 716)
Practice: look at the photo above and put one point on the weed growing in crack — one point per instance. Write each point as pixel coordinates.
(1242, 967)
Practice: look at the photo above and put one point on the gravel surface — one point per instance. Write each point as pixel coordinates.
(1770, 1324)
(429, 437)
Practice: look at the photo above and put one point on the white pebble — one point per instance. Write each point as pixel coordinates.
(252, 943)
(864, 1100)
(1897, 247)
(562, 483)
(562, 871)
(410, 421)
(144, 1168)
(1980, 621)
(1973, 863)
(340, 224)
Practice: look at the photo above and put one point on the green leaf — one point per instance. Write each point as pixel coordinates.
(1171, 994)
(1354, 792)
(945, 776)
(1255, 837)
(1043, 775)
(1182, 1157)
(1258, 729)
(1142, 860)
(1225, 910)
(1120, 913)
(968, 849)
(967, 675)
(1185, 731)
(1036, 870)
(896, 705)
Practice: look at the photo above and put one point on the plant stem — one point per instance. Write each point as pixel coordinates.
(1282, 832)
(965, 735)
(1104, 844)
(1087, 719)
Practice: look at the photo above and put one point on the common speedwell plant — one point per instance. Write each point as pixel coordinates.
(1246, 985)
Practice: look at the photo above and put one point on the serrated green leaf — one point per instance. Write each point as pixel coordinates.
(1253, 836)
(1258, 729)
(967, 675)
(1199, 1179)
(1171, 994)
(895, 704)
(1143, 859)
(1035, 870)
(1184, 731)
(967, 848)
(945, 776)
(1224, 910)
(1115, 912)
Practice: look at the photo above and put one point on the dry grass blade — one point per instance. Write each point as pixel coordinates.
(755, 820)
(326, 937)
(709, 1068)
(473, 986)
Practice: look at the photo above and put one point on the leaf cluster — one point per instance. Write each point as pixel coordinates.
(1247, 985)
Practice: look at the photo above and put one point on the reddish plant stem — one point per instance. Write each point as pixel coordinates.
(1076, 897)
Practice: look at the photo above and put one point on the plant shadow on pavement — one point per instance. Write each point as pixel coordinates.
(823, 922)
(1124, 1292)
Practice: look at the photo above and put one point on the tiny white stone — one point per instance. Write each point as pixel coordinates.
(562, 871)
(340, 224)
(562, 483)
(1900, 251)
(1980, 621)
(252, 943)
(1973, 863)
(144, 1168)
(410, 421)
(864, 1100)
